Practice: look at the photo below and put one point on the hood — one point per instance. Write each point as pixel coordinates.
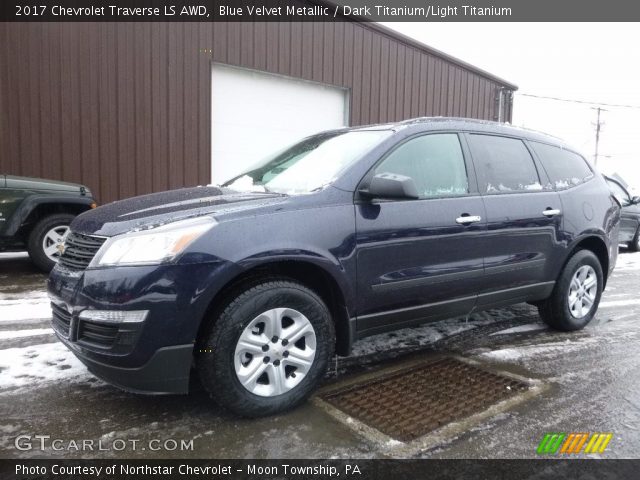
(28, 183)
(149, 211)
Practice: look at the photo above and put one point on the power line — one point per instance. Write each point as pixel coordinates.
(583, 102)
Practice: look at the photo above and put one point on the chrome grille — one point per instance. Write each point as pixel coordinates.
(79, 250)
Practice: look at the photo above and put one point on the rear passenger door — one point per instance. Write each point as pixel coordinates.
(524, 221)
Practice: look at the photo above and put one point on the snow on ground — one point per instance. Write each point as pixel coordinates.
(619, 303)
(13, 255)
(628, 261)
(407, 337)
(529, 327)
(30, 296)
(32, 332)
(522, 353)
(24, 309)
(30, 366)
(429, 333)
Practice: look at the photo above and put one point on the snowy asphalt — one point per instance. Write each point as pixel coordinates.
(591, 383)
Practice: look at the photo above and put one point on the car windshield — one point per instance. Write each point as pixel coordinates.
(310, 164)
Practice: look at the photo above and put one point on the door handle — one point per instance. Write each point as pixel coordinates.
(467, 219)
(551, 212)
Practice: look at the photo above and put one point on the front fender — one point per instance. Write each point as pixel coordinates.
(327, 263)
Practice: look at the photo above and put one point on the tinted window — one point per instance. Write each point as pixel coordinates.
(505, 164)
(435, 162)
(564, 168)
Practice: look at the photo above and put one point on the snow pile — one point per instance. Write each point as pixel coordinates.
(536, 351)
(13, 255)
(24, 309)
(411, 337)
(32, 332)
(627, 261)
(30, 366)
(529, 327)
(433, 332)
(619, 303)
(24, 306)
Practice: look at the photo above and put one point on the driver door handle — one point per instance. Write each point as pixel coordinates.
(467, 219)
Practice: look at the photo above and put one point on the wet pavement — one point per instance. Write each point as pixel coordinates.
(590, 383)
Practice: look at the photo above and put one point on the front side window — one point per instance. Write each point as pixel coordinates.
(310, 164)
(565, 168)
(434, 162)
(505, 165)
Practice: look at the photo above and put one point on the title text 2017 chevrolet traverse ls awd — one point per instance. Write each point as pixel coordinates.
(346, 234)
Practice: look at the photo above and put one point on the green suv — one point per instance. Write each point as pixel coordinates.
(35, 215)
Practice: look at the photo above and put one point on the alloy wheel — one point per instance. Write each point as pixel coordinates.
(275, 352)
(53, 240)
(582, 291)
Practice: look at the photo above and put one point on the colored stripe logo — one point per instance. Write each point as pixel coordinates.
(573, 443)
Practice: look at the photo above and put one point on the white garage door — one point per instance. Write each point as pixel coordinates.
(255, 114)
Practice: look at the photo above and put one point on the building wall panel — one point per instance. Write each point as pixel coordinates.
(125, 107)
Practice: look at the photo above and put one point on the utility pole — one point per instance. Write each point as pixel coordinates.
(598, 127)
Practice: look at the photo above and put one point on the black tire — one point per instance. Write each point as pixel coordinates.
(555, 310)
(216, 350)
(36, 237)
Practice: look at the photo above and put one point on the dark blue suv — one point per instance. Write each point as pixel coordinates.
(255, 284)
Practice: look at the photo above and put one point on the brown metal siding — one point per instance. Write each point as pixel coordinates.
(125, 107)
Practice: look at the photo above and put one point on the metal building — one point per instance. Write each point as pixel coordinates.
(132, 108)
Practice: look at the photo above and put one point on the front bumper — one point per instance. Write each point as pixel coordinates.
(151, 352)
(166, 372)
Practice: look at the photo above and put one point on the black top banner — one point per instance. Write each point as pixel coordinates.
(319, 11)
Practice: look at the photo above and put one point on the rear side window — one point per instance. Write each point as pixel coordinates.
(505, 165)
(435, 162)
(565, 168)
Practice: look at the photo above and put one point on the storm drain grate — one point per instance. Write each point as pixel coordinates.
(410, 403)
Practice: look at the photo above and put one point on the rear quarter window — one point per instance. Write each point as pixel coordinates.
(564, 168)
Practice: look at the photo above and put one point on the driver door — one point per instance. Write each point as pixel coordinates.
(421, 259)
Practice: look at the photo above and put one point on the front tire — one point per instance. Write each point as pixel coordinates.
(45, 239)
(268, 348)
(576, 295)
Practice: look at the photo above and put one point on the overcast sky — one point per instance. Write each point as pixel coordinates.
(596, 62)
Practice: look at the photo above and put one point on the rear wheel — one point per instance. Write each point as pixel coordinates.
(46, 239)
(576, 295)
(268, 348)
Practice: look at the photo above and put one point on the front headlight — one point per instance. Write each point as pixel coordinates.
(154, 246)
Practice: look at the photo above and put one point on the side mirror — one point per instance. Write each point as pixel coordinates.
(391, 185)
(635, 200)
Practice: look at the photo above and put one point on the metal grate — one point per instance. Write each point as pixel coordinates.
(79, 250)
(408, 404)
